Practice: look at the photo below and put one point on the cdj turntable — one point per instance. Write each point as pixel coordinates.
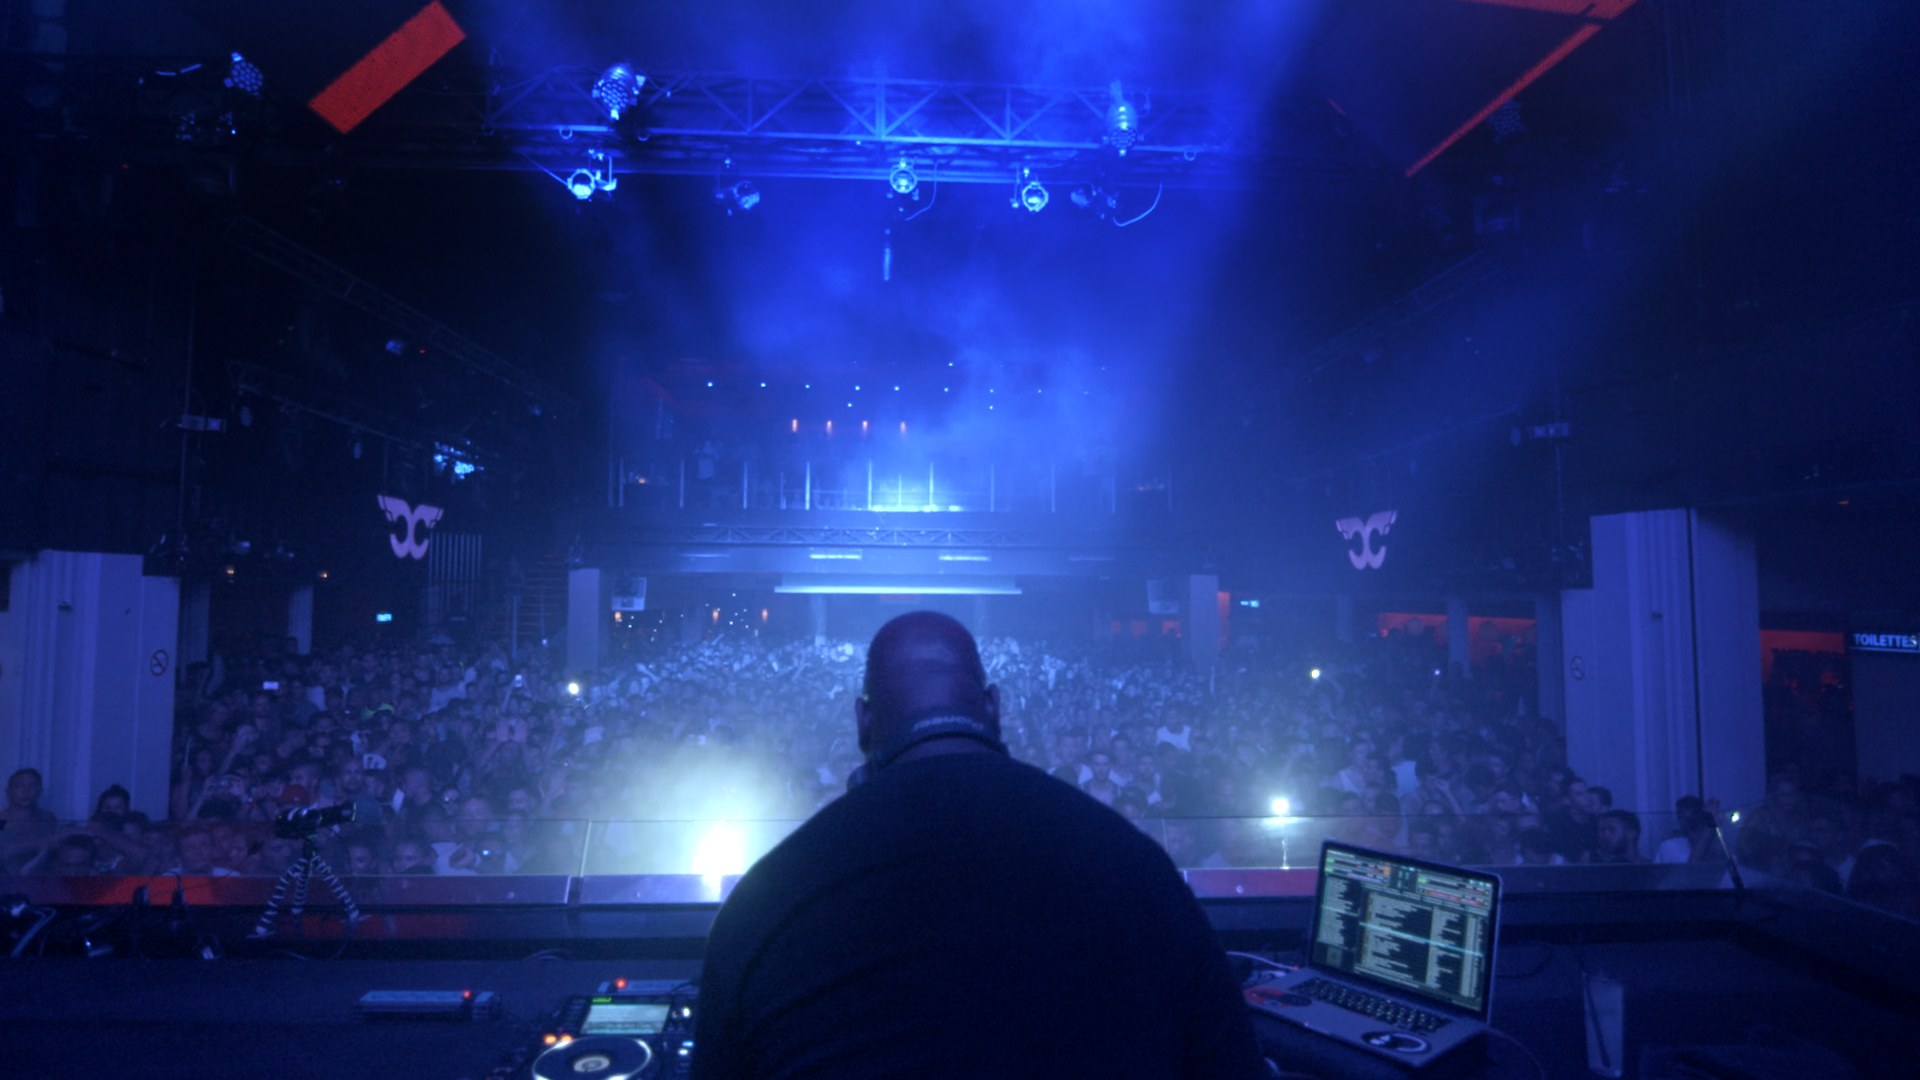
(627, 1030)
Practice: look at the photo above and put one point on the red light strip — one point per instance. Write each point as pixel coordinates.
(1532, 73)
(388, 68)
(1603, 10)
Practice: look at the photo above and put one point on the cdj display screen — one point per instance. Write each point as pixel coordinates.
(623, 1018)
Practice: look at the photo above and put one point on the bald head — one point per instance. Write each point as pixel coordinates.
(921, 665)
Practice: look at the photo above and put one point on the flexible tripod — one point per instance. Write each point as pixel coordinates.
(300, 875)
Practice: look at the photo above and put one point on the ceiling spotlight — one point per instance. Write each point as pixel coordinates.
(244, 77)
(742, 196)
(1101, 202)
(618, 89)
(597, 176)
(1123, 121)
(903, 180)
(1033, 194)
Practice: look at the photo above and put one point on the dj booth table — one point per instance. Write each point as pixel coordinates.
(1700, 966)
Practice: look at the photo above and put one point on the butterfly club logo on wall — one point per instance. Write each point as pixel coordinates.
(419, 521)
(1368, 557)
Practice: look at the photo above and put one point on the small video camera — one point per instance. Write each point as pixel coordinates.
(303, 822)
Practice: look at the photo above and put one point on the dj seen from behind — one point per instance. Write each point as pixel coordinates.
(962, 914)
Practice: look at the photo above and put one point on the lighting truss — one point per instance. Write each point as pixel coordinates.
(265, 383)
(858, 128)
(693, 124)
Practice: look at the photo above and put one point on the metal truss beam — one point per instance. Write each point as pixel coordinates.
(1442, 289)
(355, 416)
(701, 124)
(858, 128)
(276, 250)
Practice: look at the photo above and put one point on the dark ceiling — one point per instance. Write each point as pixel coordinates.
(1695, 251)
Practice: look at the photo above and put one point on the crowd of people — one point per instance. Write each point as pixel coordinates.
(468, 760)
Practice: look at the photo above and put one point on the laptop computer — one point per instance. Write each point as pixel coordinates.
(1400, 962)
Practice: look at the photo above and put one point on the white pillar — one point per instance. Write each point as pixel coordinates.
(1203, 620)
(1662, 662)
(88, 652)
(588, 612)
(300, 618)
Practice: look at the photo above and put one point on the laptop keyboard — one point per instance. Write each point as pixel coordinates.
(1384, 1009)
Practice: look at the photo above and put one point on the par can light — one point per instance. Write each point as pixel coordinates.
(903, 180)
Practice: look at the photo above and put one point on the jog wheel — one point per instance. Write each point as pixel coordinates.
(595, 1057)
(1396, 1040)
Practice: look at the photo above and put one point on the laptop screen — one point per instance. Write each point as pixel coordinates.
(1421, 928)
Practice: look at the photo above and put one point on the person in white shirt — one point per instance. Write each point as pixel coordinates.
(1181, 736)
(1353, 778)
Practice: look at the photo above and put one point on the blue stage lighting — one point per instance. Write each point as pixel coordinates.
(1033, 194)
(742, 196)
(1123, 122)
(244, 77)
(903, 180)
(597, 176)
(618, 89)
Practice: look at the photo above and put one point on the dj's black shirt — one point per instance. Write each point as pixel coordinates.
(966, 915)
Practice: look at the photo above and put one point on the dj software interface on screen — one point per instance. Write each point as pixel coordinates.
(1408, 926)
